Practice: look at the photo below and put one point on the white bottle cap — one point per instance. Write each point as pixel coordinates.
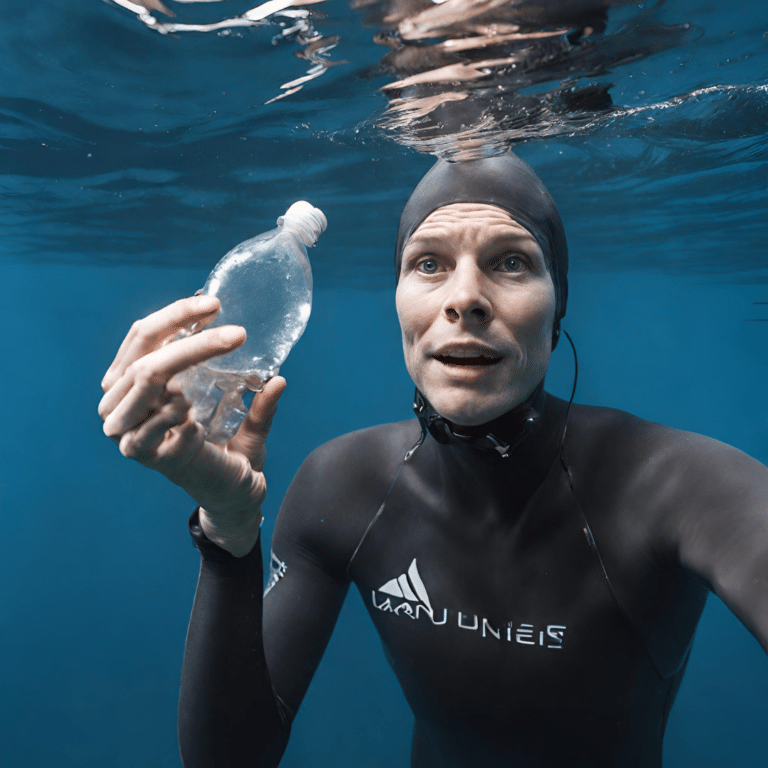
(309, 222)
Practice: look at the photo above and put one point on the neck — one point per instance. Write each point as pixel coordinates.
(502, 435)
(507, 458)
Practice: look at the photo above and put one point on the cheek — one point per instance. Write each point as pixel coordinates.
(413, 324)
(408, 314)
(406, 319)
(538, 320)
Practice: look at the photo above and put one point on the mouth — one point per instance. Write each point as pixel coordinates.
(465, 357)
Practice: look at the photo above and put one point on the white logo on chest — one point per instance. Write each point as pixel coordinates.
(409, 588)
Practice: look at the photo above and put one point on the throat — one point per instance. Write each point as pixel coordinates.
(502, 435)
(503, 459)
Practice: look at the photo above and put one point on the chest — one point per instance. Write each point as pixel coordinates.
(491, 604)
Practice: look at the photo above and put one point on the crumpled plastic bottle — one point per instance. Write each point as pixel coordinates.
(264, 285)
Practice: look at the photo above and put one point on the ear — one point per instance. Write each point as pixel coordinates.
(555, 334)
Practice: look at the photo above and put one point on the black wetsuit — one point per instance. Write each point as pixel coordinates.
(538, 610)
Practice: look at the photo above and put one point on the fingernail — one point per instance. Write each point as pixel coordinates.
(207, 303)
(229, 334)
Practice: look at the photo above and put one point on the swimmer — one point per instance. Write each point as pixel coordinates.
(536, 570)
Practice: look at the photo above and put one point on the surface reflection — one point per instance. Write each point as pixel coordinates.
(471, 76)
(295, 24)
(474, 75)
(114, 152)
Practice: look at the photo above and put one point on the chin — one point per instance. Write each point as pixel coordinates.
(468, 412)
(469, 409)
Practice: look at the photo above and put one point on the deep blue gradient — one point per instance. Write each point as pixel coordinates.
(130, 162)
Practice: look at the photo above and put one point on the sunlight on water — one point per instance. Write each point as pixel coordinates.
(206, 116)
(295, 25)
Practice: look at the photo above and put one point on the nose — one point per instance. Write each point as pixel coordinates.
(466, 299)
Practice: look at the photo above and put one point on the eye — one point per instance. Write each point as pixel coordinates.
(510, 263)
(427, 266)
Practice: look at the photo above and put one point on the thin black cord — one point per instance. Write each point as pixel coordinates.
(575, 381)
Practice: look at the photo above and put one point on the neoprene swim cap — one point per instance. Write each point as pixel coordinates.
(505, 181)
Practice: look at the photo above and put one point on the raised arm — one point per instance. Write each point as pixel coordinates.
(229, 713)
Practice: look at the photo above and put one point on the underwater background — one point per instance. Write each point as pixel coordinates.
(137, 147)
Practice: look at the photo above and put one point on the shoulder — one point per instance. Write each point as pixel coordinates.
(384, 440)
(362, 457)
(338, 489)
(590, 427)
(622, 441)
(658, 473)
(665, 505)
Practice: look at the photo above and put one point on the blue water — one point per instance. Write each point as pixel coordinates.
(131, 161)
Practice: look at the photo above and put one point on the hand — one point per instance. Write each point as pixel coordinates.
(149, 418)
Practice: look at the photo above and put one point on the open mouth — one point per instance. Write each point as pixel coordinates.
(468, 361)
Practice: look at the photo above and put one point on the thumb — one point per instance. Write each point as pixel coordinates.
(251, 437)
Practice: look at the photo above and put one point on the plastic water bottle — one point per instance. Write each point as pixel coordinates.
(265, 285)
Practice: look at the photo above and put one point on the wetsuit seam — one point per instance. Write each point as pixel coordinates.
(287, 715)
(593, 546)
(680, 669)
(671, 696)
(379, 511)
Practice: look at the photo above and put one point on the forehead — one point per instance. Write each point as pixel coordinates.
(466, 219)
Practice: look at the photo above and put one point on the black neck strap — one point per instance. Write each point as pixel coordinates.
(501, 435)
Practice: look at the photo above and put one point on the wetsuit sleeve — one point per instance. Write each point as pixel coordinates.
(228, 713)
(719, 524)
(249, 660)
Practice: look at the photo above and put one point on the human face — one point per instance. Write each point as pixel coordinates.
(476, 306)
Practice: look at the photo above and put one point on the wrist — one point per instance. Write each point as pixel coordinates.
(236, 531)
(225, 486)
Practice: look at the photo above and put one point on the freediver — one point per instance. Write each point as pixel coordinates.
(535, 570)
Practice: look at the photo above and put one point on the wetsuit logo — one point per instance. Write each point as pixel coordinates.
(409, 587)
(277, 569)
(411, 590)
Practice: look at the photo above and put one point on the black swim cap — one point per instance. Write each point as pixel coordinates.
(506, 182)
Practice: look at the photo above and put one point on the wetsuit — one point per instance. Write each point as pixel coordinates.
(538, 610)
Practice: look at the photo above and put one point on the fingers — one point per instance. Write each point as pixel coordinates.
(142, 443)
(251, 438)
(142, 387)
(151, 332)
